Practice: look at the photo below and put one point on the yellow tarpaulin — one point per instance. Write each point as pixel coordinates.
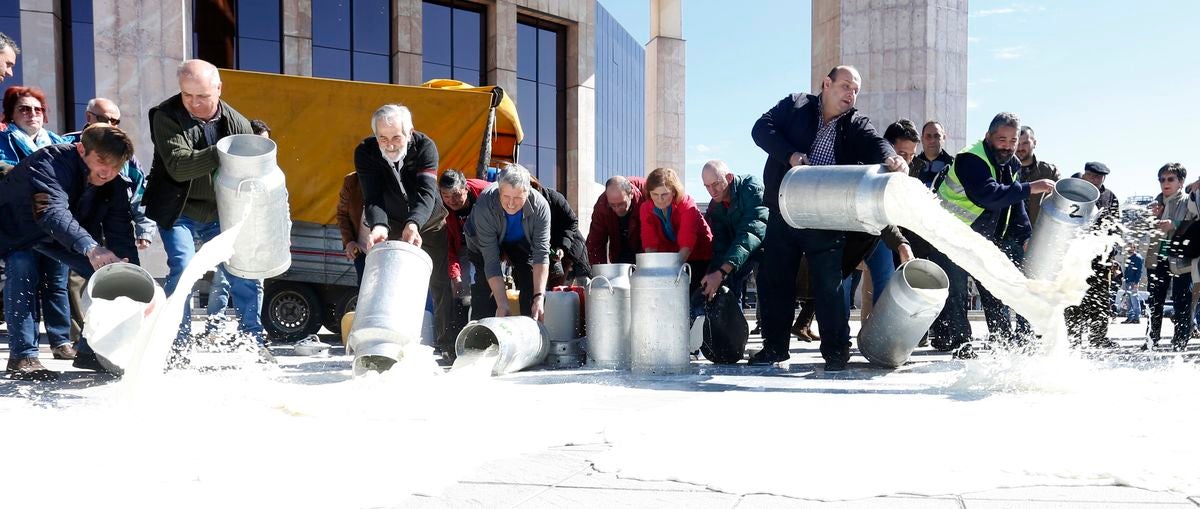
(318, 122)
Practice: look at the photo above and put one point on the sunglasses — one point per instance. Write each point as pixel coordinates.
(106, 120)
(1166, 179)
(30, 109)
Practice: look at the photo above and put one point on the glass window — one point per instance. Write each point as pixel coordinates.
(352, 39)
(243, 34)
(81, 80)
(540, 103)
(452, 35)
(258, 55)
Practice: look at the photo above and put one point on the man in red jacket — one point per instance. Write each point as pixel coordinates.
(615, 233)
(458, 195)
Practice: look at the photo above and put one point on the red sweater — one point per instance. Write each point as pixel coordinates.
(455, 223)
(605, 232)
(691, 230)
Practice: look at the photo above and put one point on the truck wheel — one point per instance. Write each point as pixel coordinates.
(346, 301)
(291, 311)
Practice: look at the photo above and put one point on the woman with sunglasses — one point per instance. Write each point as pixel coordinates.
(1171, 209)
(22, 134)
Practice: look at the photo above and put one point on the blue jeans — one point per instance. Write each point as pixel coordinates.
(180, 243)
(31, 274)
(880, 264)
(1134, 313)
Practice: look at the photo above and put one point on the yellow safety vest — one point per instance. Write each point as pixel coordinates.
(954, 197)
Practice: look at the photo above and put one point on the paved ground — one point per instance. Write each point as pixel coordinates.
(562, 476)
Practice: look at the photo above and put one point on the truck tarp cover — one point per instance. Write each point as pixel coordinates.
(318, 122)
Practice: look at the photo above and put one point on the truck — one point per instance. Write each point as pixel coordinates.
(316, 124)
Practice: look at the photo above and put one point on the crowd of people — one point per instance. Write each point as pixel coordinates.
(77, 202)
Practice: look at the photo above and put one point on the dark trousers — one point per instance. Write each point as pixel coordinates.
(1090, 317)
(783, 248)
(998, 314)
(483, 304)
(951, 326)
(1181, 293)
(434, 244)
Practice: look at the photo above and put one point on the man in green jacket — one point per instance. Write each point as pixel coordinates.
(738, 219)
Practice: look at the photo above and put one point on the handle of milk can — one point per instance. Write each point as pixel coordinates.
(244, 182)
(606, 282)
(684, 269)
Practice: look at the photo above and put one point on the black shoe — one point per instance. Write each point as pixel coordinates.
(1178, 346)
(945, 345)
(756, 330)
(767, 357)
(88, 361)
(837, 365)
(1104, 343)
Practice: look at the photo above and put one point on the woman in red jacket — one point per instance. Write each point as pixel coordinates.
(671, 222)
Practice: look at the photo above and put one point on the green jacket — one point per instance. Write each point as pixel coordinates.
(738, 229)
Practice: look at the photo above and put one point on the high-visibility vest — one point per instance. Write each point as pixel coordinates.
(954, 197)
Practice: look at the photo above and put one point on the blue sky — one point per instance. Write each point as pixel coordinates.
(1099, 80)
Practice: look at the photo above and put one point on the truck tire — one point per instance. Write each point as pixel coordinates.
(343, 303)
(291, 311)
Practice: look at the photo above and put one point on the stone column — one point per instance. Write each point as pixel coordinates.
(297, 37)
(406, 46)
(41, 57)
(912, 55)
(665, 76)
(502, 46)
(581, 189)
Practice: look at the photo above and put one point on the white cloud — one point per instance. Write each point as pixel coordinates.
(993, 12)
(1013, 9)
(704, 149)
(972, 104)
(1010, 53)
(973, 40)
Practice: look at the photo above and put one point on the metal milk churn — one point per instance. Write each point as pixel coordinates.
(391, 305)
(1065, 215)
(659, 330)
(112, 329)
(608, 325)
(562, 315)
(522, 342)
(844, 198)
(250, 189)
(909, 304)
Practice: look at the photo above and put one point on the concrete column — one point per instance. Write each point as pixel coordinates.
(581, 189)
(665, 76)
(502, 46)
(41, 57)
(912, 55)
(406, 46)
(297, 37)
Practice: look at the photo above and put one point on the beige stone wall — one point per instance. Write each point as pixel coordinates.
(665, 88)
(41, 57)
(297, 37)
(912, 55)
(406, 48)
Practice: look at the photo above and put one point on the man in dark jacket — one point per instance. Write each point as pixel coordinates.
(397, 168)
(1091, 316)
(931, 165)
(738, 220)
(981, 190)
(62, 201)
(615, 235)
(180, 193)
(1032, 169)
(568, 249)
(805, 129)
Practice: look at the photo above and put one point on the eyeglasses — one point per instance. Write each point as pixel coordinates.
(1166, 179)
(104, 119)
(26, 109)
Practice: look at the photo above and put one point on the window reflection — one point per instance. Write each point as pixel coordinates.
(452, 41)
(540, 102)
(243, 34)
(81, 82)
(352, 39)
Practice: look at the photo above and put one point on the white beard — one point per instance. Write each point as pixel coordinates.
(398, 158)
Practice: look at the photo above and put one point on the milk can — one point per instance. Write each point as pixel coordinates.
(391, 305)
(250, 189)
(845, 198)
(521, 340)
(1064, 216)
(907, 307)
(659, 331)
(608, 311)
(562, 315)
(111, 327)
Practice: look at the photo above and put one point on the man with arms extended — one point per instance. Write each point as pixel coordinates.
(615, 235)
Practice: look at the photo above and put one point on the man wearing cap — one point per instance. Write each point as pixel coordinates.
(1091, 316)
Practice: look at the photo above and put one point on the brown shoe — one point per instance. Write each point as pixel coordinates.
(29, 368)
(805, 334)
(63, 352)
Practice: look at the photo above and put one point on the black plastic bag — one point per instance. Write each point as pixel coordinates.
(725, 329)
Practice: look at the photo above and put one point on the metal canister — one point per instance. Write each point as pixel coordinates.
(608, 311)
(844, 198)
(522, 341)
(907, 307)
(112, 330)
(1065, 215)
(250, 189)
(562, 315)
(659, 331)
(391, 305)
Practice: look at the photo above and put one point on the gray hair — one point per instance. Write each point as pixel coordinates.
(619, 182)
(8, 42)
(718, 167)
(199, 70)
(1005, 119)
(516, 176)
(393, 114)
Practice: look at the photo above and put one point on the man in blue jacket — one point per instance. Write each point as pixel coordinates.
(62, 202)
(982, 191)
(805, 129)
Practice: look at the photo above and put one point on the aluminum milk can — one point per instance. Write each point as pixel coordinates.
(845, 198)
(250, 188)
(522, 341)
(910, 302)
(608, 311)
(1065, 215)
(391, 305)
(659, 331)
